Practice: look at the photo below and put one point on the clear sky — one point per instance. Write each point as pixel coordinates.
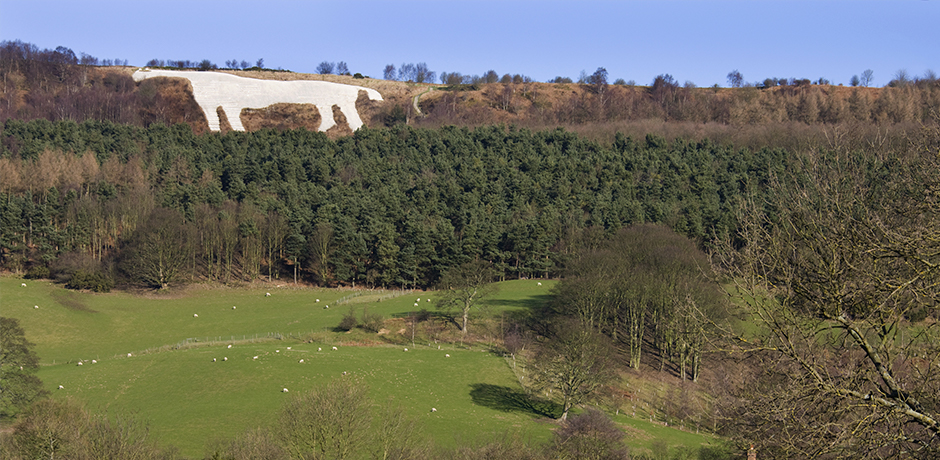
(699, 41)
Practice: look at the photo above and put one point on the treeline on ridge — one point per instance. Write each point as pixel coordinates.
(57, 85)
(384, 207)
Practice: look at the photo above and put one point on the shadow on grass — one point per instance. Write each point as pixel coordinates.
(532, 303)
(71, 300)
(508, 400)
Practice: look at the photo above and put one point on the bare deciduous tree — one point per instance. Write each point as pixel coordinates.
(331, 422)
(575, 362)
(464, 286)
(840, 270)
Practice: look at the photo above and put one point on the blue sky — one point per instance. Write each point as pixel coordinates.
(698, 41)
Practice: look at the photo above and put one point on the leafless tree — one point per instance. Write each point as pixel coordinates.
(839, 279)
(575, 361)
(464, 286)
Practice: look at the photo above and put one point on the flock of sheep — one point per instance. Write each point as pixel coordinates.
(225, 358)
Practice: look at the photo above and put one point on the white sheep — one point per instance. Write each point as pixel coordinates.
(429, 300)
(418, 300)
(433, 409)
(225, 358)
(318, 301)
(195, 315)
(277, 351)
(229, 345)
(416, 304)
(301, 361)
(213, 359)
(61, 387)
(540, 283)
(284, 390)
(23, 284)
(255, 357)
(80, 363)
(446, 355)
(319, 349)
(94, 361)
(267, 294)
(406, 349)
(35, 306)
(233, 307)
(128, 355)
(288, 348)
(334, 348)
(326, 307)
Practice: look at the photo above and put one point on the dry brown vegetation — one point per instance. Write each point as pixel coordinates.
(783, 116)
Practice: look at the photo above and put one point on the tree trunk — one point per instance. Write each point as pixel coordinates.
(567, 407)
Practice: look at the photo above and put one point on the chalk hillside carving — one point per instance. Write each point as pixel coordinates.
(233, 93)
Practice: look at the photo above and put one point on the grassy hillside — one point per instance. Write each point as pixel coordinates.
(171, 380)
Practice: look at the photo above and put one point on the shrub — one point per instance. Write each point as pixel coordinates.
(590, 435)
(64, 429)
(94, 281)
(37, 272)
(371, 322)
(349, 321)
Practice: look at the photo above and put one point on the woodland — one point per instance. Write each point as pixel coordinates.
(814, 208)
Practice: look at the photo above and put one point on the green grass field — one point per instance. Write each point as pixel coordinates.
(171, 381)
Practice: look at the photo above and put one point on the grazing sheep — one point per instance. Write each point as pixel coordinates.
(128, 355)
(326, 307)
(230, 345)
(195, 315)
(446, 355)
(80, 363)
(301, 361)
(319, 349)
(284, 390)
(416, 304)
(540, 283)
(288, 348)
(277, 351)
(318, 301)
(35, 306)
(94, 361)
(23, 284)
(61, 387)
(433, 409)
(255, 357)
(233, 307)
(344, 372)
(213, 359)
(225, 358)
(406, 349)
(267, 294)
(334, 348)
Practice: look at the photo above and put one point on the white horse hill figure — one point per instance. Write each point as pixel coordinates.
(234, 93)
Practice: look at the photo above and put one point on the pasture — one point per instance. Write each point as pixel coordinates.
(171, 381)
